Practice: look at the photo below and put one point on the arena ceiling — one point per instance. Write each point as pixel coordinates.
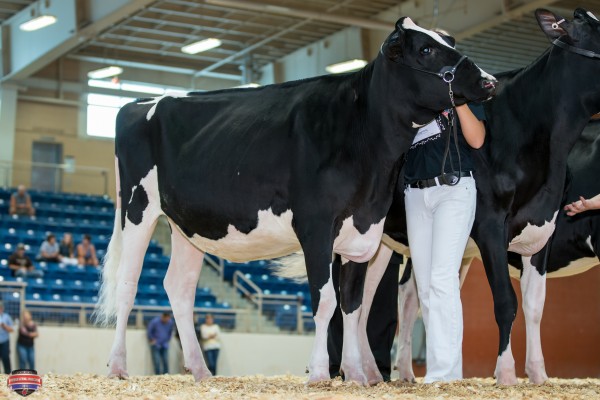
(256, 33)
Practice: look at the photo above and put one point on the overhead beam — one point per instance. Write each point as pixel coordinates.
(316, 16)
(506, 16)
(24, 53)
(154, 67)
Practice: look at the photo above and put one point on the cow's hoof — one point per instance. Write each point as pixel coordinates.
(536, 371)
(374, 380)
(354, 375)
(506, 379)
(316, 376)
(405, 374)
(119, 374)
(200, 374)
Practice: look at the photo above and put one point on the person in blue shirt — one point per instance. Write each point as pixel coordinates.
(160, 330)
(6, 327)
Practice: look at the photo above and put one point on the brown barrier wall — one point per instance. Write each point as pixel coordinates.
(570, 326)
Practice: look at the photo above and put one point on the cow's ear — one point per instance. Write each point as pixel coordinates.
(394, 44)
(554, 26)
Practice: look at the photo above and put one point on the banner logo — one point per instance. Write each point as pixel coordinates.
(24, 381)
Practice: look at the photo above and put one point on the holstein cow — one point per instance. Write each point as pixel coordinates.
(259, 173)
(532, 124)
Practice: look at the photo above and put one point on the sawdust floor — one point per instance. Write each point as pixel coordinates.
(86, 386)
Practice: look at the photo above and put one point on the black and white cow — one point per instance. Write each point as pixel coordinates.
(260, 173)
(532, 124)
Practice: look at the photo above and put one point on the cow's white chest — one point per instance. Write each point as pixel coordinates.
(273, 237)
(356, 246)
(532, 238)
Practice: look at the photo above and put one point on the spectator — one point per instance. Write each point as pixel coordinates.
(27, 333)
(159, 335)
(6, 327)
(86, 252)
(67, 249)
(211, 344)
(50, 250)
(20, 203)
(21, 265)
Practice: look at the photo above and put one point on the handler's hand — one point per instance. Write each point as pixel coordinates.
(578, 206)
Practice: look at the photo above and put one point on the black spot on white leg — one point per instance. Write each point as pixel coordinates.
(352, 282)
(137, 205)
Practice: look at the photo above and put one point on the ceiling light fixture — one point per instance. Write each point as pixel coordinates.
(105, 72)
(39, 22)
(345, 66)
(200, 46)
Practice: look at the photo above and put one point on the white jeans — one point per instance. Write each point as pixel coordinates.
(439, 221)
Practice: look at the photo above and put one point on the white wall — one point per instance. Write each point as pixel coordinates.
(68, 350)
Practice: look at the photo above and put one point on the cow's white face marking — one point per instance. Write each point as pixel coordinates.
(592, 15)
(273, 237)
(409, 24)
(533, 238)
(355, 246)
(156, 100)
(487, 76)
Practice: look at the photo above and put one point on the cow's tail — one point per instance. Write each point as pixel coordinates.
(291, 267)
(106, 309)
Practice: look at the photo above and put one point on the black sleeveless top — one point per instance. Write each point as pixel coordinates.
(424, 159)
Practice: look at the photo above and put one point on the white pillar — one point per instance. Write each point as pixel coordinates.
(8, 117)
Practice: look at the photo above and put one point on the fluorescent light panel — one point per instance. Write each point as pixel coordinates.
(105, 72)
(345, 66)
(38, 22)
(200, 46)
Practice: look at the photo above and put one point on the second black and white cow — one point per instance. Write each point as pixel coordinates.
(532, 124)
(260, 173)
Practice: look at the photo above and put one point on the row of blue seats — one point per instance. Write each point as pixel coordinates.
(54, 225)
(68, 215)
(288, 319)
(103, 209)
(253, 267)
(63, 198)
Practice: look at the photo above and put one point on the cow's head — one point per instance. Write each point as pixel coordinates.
(416, 55)
(583, 32)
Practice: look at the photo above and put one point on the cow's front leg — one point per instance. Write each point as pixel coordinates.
(491, 242)
(377, 268)
(317, 254)
(408, 309)
(180, 284)
(352, 279)
(533, 289)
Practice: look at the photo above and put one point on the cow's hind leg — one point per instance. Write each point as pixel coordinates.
(352, 279)
(408, 309)
(180, 284)
(135, 242)
(533, 289)
(318, 249)
(375, 272)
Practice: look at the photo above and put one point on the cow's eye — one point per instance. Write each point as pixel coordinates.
(426, 50)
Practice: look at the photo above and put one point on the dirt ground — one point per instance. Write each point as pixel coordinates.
(85, 386)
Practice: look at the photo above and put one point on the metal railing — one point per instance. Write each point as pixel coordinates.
(65, 177)
(260, 299)
(13, 296)
(217, 266)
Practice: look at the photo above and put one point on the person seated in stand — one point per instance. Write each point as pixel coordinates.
(50, 250)
(86, 252)
(67, 249)
(20, 203)
(21, 265)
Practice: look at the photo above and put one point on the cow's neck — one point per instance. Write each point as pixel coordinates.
(391, 112)
(557, 114)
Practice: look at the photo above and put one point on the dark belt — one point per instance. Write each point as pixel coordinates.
(437, 181)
